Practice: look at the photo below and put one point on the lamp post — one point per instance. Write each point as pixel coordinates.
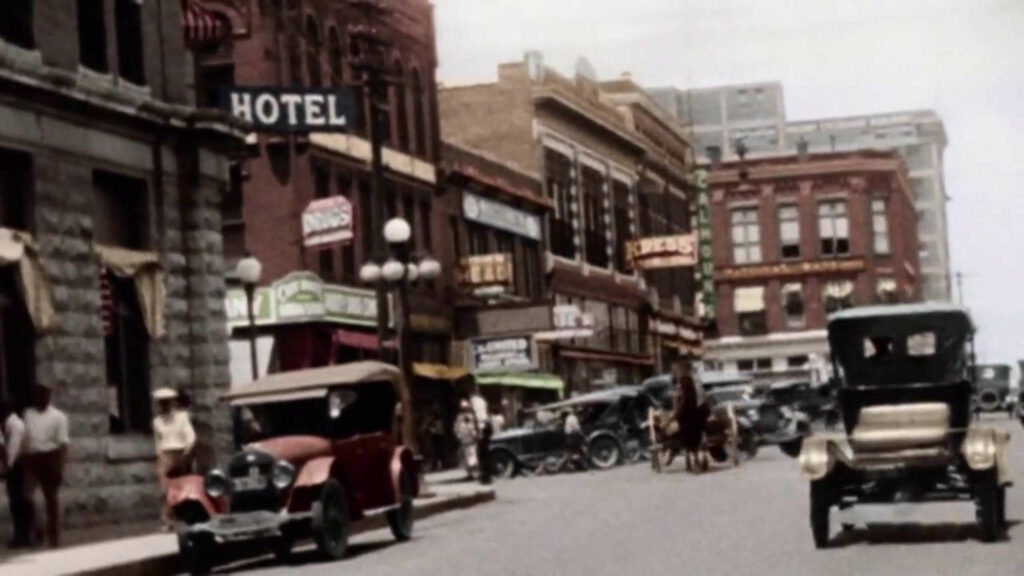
(249, 270)
(398, 271)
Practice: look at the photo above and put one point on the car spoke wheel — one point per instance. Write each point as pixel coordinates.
(503, 466)
(821, 502)
(400, 519)
(605, 453)
(331, 522)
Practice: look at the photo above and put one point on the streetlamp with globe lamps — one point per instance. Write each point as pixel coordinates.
(249, 270)
(399, 271)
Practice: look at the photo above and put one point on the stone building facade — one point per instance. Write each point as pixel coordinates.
(796, 238)
(107, 172)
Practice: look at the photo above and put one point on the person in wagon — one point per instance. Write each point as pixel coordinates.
(175, 439)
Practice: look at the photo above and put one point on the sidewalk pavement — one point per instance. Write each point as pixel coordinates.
(157, 554)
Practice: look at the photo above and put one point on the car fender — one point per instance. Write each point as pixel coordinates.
(403, 459)
(605, 433)
(985, 448)
(816, 458)
(191, 488)
(314, 472)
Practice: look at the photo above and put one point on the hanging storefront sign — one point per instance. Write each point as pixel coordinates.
(705, 253)
(661, 252)
(275, 109)
(302, 297)
(327, 222)
(502, 355)
(569, 322)
(501, 216)
(485, 271)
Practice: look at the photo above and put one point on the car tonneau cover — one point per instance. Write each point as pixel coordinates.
(301, 381)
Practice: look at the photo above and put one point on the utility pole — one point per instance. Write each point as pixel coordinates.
(960, 288)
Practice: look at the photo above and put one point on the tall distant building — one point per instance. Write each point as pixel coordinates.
(755, 114)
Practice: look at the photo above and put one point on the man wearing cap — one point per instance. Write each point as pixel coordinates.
(45, 452)
(174, 438)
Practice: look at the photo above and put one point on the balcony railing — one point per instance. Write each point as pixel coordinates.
(597, 249)
(562, 243)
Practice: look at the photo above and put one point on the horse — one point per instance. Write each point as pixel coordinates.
(696, 428)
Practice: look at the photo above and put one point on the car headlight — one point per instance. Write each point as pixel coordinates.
(216, 483)
(282, 475)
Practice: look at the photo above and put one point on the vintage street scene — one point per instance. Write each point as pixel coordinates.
(567, 287)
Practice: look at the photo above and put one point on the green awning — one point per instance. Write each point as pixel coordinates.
(522, 380)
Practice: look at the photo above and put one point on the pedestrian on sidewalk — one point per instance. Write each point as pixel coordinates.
(45, 454)
(575, 442)
(466, 431)
(486, 430)
(175, 439)
(12, 428)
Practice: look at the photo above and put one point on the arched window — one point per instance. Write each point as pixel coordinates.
(419, 116)
(401, 114)
(130, 61)
(334, 55)
(313, 53)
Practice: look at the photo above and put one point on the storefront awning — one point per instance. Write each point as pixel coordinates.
(522, 380)
(150, 281)
(439, 371)
(748, 299)
(17, 248)
(201, 25)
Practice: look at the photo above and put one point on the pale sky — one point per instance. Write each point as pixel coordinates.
(961, 58)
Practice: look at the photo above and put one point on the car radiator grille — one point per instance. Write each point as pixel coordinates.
(266, 498)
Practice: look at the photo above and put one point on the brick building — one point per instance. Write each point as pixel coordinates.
(611, 165)
(798, 237)
(307, 43)
(112, 283)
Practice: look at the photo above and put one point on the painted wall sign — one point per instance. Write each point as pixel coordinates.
(275, 109)
(705, 253)
(569, 322)
(502, 355)
(327, 222)
(485, 271)
(790, 269)
(302, 297)
(501, 216)
(662, 252)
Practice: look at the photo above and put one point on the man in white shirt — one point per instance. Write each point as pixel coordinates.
(45, 453)
(12, 432)
(575, 442)
(483, 447)
(175, 438)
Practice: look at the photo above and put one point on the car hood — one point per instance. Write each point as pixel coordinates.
(294, 449)
(512, 434)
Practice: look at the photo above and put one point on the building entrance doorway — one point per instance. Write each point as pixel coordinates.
(17, 342)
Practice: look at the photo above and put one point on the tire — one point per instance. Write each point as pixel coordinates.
(821, 503)
(793, 447)
(400, 519)
(503, 465)
(197, 552)
(331, 521)
(604, 453)
(989, 400)
(987, 509)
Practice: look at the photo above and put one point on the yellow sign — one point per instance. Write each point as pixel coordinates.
(789, 269)
(662, 252)
(485, 270)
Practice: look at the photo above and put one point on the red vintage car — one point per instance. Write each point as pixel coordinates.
(319, 454)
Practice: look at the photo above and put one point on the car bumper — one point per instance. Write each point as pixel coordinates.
(250, 525)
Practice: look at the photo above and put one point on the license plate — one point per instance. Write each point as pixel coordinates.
(254, 481)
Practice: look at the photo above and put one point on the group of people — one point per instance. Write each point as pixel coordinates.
(474, 427)
(34, 443)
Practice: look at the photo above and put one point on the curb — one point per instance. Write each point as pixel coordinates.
(167, 564)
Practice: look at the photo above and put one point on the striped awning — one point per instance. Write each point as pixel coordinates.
(202, 26)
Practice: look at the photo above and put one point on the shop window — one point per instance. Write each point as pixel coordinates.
(746, 236)
(130, 56)
(16, 22)
(880, 226)
(636, 342)
(313, 53)
(793, 305)
(126, 345)
(120, 214)
(15, 189)
(390, 200)
(745, 365)
(453, 225)
(92, 36)
(789, 232)
(748, 303)
(419, 114)
(401, 108)
(834, 228)
(334, 56)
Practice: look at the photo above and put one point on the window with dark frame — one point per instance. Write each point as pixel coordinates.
(763, 364)
(793, 305)
(313, 53)
(131, 64)
(477, 236)
(745, 365)
(427, 222)
(16, 22)
(746, 236)
(880, 226)
(594, 224)
(558, 185)
(419, 114)
(321, 181)
(213, 80)
(325, 260)
(789, 231)
(799, 361)
(401, 108)
(92, 36)
(334, 57)
(366, 218)
(621, 196)
(16, 189)
(834, 228)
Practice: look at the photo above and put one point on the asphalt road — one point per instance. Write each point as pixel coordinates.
(629, 521)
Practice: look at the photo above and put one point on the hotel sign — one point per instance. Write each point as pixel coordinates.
(662, 252)
(501, 216)
(275, 109)
(790, 270)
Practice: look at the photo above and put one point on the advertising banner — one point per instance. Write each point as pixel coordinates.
(485, 271)
(502, 355)
(501, 216)
(327, 222)
(661, 252)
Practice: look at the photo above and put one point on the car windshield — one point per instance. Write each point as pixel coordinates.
(344, 412)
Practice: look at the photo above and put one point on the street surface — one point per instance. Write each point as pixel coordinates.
(630, 521)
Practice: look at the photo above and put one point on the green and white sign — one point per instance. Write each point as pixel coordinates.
(302, 297)
(705, 254)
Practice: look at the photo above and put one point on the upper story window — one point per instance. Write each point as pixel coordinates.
(748, 304)
(746, 236)
(131, 64)
(92, 36)
(419, 114)
(334, 57)
(838, 295)
(880, 226)
(793, 305)
(834, 228)
(313, 53)
(15, 189)
(293, 28)
(16, 23)
(789, 232)
(401, 108)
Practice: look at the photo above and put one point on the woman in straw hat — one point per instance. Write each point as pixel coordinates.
(175, 438)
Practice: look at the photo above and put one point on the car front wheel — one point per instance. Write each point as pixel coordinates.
(503, 466)
(400, 519)
(988, 507)
(605, 453)
(821, 502)
(331, 522)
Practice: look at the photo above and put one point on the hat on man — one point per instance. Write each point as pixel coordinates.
(165, 394)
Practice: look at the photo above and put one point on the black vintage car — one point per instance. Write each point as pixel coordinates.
(992, 392)
(612, 421)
